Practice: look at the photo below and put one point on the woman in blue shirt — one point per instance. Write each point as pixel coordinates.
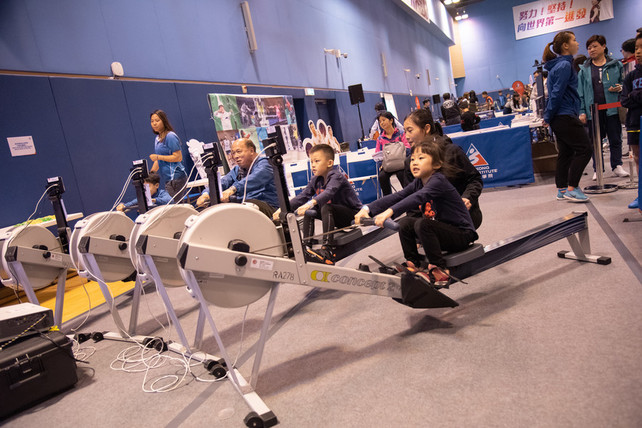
(167, 156)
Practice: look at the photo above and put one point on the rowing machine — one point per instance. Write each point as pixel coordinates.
(32, 257)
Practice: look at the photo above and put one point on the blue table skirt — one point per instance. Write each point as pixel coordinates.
(486, 123)
(502, 157)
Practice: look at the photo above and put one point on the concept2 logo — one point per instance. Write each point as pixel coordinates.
(323, 276)
(318, 275)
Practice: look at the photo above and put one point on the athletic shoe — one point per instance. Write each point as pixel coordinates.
(620, 172)
(576, 195)
(594, 176)
(560, 194)
(635, 204)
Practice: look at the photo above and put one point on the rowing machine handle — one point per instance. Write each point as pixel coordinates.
(389, 223)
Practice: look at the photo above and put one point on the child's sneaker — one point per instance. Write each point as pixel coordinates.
(576, 195)
(635, 204)
(560, 194)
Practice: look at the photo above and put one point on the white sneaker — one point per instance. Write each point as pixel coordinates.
(620, 172)
(594, 176)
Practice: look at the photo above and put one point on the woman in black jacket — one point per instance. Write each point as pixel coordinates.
(419, 126)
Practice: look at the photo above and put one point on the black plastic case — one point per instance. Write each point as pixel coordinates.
(34, 369)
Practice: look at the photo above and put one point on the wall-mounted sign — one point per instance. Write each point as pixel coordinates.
(21, 146)
(541, 17)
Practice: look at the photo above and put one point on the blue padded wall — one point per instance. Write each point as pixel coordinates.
(99, 135)
(205, 40)
(489, 47)
(27, 107)
(90, 130)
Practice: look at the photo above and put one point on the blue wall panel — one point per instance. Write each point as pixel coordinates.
(68, 30)
(27, 107)
(99, 136)
(205, 40)
(195, 111)
(18, 48)
(489, 47)
(144, 97)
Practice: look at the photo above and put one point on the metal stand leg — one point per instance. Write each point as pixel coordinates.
(168, 304)
(60, 298)
(581, 248)
(23, 279)
(632, 182)
(260, 346)
(600, 187)
(246, 390)
(200, 325)
(94, 271)
(133, 317)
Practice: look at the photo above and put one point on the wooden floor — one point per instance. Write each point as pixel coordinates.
(80, 295)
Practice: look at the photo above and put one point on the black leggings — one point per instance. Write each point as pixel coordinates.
(384, 180)
(331, 215)
(435, 236)
(175, 189)
(574, 149)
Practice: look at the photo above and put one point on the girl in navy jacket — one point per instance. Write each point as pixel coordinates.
(445, 223)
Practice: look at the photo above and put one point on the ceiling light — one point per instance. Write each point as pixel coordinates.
(455, 1)
(447, 2)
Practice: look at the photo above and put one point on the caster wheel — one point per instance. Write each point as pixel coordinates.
(253, 420)
(215, 368)
(218, 371)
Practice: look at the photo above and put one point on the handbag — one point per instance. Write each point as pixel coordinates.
(394, 156)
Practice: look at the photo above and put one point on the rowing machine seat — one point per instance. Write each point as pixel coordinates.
(472, 252)
(345, 237)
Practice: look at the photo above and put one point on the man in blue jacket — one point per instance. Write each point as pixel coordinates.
(257, 183)
(600, 81)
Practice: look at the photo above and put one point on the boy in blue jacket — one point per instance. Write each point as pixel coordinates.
(159, 196)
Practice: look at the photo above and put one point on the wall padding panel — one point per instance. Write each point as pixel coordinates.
(27, 107)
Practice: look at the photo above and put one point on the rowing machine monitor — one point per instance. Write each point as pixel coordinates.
(139, 174)
(55, 188)
(211, 162)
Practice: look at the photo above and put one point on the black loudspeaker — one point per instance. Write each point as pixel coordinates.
(436, 99)
(356, 94)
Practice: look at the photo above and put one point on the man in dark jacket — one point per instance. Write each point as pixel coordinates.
(449, 111)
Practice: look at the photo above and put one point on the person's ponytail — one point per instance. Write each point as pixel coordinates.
(554, 48)
(548, 54)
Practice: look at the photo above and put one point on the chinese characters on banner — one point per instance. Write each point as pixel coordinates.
(541, 17)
